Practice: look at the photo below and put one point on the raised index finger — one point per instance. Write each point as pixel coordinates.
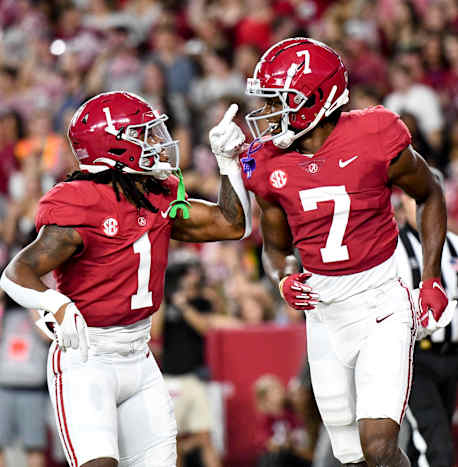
(230, 114)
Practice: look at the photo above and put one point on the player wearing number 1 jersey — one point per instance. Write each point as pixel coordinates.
(323, 180)
(105, 232)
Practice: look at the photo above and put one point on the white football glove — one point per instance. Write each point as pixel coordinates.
(226, 141)
(433, 325)
(47, 323)
(72, 332)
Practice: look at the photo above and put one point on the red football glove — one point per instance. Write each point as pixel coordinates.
(296, 293)
(432, 298)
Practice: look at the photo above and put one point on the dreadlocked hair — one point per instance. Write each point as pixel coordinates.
(127, 183)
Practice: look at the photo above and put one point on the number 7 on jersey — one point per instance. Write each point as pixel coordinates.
(333, 250)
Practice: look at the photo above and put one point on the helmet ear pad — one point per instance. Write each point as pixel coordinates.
(298, 120)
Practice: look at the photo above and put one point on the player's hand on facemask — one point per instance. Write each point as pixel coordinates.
(226, 140)
(432, 300)
(71, 332)
(297, 293)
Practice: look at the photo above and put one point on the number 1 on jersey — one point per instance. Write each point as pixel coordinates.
(143, 297)
(333, 250)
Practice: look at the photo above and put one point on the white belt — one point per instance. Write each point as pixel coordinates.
(122, 348)
(120, 339)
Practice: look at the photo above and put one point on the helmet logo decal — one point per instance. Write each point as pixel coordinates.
(84, 120)
(278, 179)
(306, 63)
(110, 226)
(110, 127)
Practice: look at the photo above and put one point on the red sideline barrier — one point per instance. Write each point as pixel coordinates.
(238, 358)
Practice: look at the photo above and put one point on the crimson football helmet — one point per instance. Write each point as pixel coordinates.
(120, 129)
(310, 81)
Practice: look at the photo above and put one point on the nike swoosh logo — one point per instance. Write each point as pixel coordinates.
(165, 213)
(379, 320)
(343, 164)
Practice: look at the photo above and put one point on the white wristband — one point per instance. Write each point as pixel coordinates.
(49, 300)
(235, 178)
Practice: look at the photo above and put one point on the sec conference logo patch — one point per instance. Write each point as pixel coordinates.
(110, 226)
(278, 178)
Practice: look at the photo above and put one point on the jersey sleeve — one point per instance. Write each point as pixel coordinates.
(393, 134)
(67, 205)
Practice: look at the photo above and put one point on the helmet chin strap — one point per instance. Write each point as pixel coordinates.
(161, 170)
(160, 173)
(287, 138)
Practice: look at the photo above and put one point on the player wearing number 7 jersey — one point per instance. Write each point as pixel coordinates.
(105, 232)
(323, 180)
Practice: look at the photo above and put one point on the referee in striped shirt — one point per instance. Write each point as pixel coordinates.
(433, 394)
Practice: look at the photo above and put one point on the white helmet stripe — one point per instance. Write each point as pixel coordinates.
(290, 75)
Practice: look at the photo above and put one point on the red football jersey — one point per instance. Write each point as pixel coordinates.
(118, 277)
(337, 201)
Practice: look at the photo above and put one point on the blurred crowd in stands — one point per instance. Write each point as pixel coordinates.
(190, 59)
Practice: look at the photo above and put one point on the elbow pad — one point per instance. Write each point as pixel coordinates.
(49, 300)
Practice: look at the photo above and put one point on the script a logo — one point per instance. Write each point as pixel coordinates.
(278, 178)
(313, 168)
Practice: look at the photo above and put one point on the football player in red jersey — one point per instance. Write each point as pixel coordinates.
(105, 232)
(323, 179)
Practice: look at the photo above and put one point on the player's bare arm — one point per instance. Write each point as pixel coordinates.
(279, 261)
(277, 254)
(53, 246)
(411, 173)
(224, 220)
